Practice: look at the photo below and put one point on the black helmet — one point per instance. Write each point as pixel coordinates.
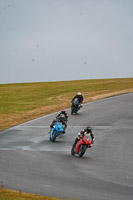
(88, 129)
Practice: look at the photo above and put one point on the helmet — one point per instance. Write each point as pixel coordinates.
(79, 93)
(88, 129)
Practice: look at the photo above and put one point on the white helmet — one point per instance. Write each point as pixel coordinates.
(79, 93)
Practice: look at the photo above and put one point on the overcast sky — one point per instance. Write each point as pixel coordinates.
(55, 40)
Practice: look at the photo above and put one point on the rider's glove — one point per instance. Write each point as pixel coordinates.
(93, 140)
(79, 134)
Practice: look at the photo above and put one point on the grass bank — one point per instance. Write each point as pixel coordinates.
(26, 101)
(6, 194)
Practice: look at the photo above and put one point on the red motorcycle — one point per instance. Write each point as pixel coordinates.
(81, 146)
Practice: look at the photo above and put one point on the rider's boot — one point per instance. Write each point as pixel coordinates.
(63, 132)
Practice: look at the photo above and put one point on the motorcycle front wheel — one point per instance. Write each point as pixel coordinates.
(72, 151)
(53, 136)
(82, 150)
(73, 110)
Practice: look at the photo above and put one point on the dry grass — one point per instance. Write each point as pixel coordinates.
(6, 194)
(22, 102)
(96, 97)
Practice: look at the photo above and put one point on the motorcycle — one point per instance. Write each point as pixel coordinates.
(81, 146)
(75, 106)
(55, 132)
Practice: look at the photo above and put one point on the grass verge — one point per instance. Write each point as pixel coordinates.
(26, 101)
(6, 194)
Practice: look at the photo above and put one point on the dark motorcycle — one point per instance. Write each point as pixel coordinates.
(75, 106)
(81, 146)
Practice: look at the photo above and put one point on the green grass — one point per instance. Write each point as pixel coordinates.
(24, 101)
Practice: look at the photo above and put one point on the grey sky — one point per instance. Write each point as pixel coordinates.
(54, 40)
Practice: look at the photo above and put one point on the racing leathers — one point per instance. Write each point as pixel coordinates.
(61, 117)
(81, 135)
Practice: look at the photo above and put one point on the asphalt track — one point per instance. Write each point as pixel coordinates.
(31, 163)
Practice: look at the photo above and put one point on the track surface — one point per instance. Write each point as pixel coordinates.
(30, 162)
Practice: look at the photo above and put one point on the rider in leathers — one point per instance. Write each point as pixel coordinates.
(79, 96)
(61, 117)
(87, 130)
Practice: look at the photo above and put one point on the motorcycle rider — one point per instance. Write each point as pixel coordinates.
(61, 117)
(86, 131)
(79, 96)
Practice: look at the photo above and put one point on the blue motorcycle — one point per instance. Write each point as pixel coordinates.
(56, 131)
